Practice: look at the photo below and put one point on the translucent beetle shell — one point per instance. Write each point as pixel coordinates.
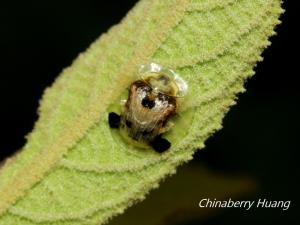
(152, 101)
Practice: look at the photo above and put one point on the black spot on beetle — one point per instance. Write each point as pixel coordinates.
(162, 97)
(146, 132)
(114, 120)
(148, 103)
(128, 123)
(160, 144)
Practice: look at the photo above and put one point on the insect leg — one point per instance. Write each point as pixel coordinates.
(114, 120)
(160, 144)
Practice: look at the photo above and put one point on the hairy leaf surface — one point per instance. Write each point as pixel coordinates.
(74, 169)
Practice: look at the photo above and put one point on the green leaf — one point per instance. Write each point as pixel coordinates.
(74, 169)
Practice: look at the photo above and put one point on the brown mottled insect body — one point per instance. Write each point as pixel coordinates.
(152, 101)
(146, 112)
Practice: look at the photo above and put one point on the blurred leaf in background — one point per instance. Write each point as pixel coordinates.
(177, 199)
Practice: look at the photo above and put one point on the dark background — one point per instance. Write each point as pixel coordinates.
(260, 135)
